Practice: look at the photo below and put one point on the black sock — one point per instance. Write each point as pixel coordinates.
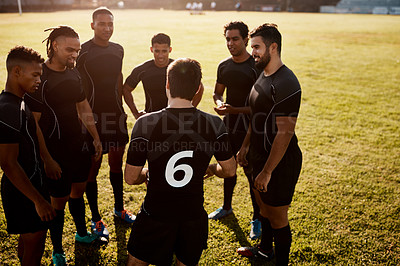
(256, 209)
(283, 241)
(229, 186)
(56, 231)
(91, 195)
(117, 184)
(266, 234)
(77, 210)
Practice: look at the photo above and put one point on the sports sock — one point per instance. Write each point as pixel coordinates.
(229, 186)
(77, 210)
(91, 195)
(56, 231)
(283, 241)
(117, 184)
(266, 234)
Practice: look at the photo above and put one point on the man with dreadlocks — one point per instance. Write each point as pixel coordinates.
(100, 65)
(59, 105)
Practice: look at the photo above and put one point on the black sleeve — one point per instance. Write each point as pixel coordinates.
(82, 95)
(222, 146)
(8, 134)
(137, 151)
(289, 106)
(219, 75)
(134, 78)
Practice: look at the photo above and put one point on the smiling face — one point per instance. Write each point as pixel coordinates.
(235, 43)
(260, 52)
(103, 27)
(161, 53)
(66, 51)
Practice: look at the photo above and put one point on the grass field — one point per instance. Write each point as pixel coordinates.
(346, 209)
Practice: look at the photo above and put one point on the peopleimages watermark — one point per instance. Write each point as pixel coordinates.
(110, 123)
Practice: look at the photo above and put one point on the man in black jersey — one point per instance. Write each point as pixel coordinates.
(178, 143)
(153, 75)
(237, 74)
(271, 144)
(60, 106)
(25, 200)
(100, 65)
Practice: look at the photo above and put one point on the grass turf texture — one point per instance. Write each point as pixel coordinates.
(346, 208)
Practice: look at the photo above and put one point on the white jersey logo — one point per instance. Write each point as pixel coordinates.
(171, 169)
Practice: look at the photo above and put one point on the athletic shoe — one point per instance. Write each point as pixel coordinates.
(59, 259)
(219, 213)
(100, 228)
(125, 215)
(255, 231)
(255, 252)
(87, 239)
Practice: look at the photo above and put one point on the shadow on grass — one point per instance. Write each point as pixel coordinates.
(88, 254)
(121, 229)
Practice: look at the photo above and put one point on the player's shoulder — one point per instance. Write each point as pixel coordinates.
(10, 106)
(225, 61)
(116, 46)
(85, 47)
(212, 119)
(286, 82)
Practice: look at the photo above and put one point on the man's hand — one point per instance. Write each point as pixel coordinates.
(224, 109)
(262, 180)
(210, 170)
(98, 150)
(52, 169)
(241, 156)
(45, 211)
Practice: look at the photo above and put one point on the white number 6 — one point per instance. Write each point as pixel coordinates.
(171, 169)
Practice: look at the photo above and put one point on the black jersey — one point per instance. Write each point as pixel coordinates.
(238, 79)
(154, 79)
(271, 97)
(178, 145)
(17, 125)
(56, 100)
(100, 68)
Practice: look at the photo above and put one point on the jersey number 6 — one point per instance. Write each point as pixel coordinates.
(171, 169)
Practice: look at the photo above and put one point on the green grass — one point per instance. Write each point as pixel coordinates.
(346, 209)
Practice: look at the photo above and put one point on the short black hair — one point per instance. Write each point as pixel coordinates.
(269, 33)
(237, 25)
(161, 38)
(20, 55)
(56, 32)
(101, 10)
(184, 77)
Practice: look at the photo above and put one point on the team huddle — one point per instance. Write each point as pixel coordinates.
(60, 115)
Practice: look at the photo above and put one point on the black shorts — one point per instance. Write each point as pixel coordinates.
(155, 242)
(20, 211)
(75, 168)
(284, 178)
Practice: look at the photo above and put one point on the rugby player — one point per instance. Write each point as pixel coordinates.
(237, 75)
(100, 65)
(178, 143)
(60, 106)
(26, 202)
(271, 144)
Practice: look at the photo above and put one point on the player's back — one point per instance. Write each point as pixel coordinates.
(179, 144)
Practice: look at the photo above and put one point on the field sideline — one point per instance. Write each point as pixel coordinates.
(346, 209)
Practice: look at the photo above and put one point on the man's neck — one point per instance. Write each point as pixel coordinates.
(273, 66)
(14, 89)
(100, 42)
(179, 103)
(241, 58)
(54, 65)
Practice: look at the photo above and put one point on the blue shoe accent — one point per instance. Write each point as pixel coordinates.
(255, 231)
(125, 215)
(100, 228)
(219, 213)
(59, 259)
(87, 239)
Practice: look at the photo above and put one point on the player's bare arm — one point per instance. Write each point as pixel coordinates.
(244, 149)
(128, 98)
(51, 167)
(286, 126)
(9, 164)
(86, 116)
(135, 175)
(222, 169)
(218, 94)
